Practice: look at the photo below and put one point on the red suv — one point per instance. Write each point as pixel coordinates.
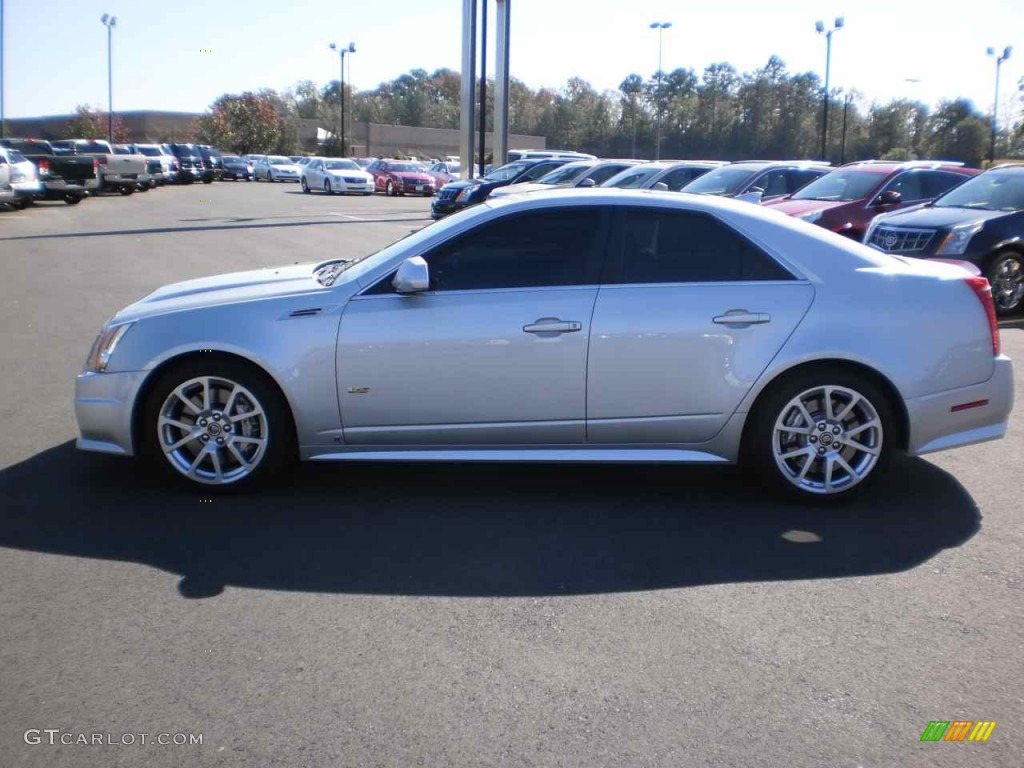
(400, 177)
(848, 198)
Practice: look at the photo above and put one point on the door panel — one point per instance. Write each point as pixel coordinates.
(662, 370)
(457, 367)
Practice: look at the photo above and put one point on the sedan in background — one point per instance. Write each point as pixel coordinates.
(335, 175)
(236, 169)
(401, 177)
(444, 172)
(758, 180)
(981, 221)
(563, 326)
(847, 199)
(457, 195)
(665, 175)
(276, 168)
(583, 174)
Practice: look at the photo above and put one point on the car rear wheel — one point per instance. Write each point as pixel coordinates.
(126, 190)
(821, 435)
(217, 422)
(304, 185)
(1006, 275)
(71, 199)
(390, 189)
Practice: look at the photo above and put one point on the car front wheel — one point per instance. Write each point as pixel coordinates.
(820, 435)
(304, 185)
(1006, 275)
(216, 422)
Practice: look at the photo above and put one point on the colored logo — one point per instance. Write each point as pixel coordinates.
(958, 730)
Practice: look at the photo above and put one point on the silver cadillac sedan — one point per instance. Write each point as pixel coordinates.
(565, 326)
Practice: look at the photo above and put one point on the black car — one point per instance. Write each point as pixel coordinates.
(456, 195)
(980, 221)
(190, 164)
(236, 169)
(213, 160)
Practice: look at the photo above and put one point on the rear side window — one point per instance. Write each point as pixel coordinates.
(796, 180)
(680, 177)
(604, 173)
(661, 246)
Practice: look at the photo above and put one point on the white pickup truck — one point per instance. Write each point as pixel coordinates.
(123, 173)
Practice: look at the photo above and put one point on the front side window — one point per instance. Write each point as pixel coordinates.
(601, 175)
(723, 181)
(529, 250)
(664, 246)
(564, 175)
(935, 183)
(908, 184)
(773, 183)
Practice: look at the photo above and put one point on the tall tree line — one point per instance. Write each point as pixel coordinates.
(720, 113)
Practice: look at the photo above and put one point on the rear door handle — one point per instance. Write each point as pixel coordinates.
(742, 317)
(553, 325)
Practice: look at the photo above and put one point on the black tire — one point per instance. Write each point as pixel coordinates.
(758, 452)
(207, 180)
(280, 449)
(142, 188)
(327, 187)
(22, 203)
(71, 199)
(126, 189)
(1005, 274)
(304, 185)
(389, 190)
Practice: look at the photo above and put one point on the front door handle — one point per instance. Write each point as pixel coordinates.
(742, 317)
(553, 325)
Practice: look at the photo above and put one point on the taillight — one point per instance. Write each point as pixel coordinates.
(983, 291)
(44, 167)
(102, 159)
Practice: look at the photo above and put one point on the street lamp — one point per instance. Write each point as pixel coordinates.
(351, 48)
(995, 106)
(110, 22)
(661, 26)
(819, 26)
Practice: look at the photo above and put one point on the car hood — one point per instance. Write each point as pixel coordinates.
(529, 186)
(930, 216)
(225, 289)
(798, 207)
(460, 184)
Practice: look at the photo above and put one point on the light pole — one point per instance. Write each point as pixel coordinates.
(3, 121)
(995, 106)
(661, 26)
(819, 26)
(110, 22)
(351, 48)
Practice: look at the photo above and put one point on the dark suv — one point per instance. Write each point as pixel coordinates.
(190, 164)
(770, 178)
(456, 195)
(213, 160)
(980, 221)
(846, 200)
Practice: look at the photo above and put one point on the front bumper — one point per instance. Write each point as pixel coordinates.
(934, 426)
(103, 409)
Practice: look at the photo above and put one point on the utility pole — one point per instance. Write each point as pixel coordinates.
(110, 22)
(820, 28)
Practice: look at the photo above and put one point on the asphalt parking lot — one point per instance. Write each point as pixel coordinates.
(449, 615)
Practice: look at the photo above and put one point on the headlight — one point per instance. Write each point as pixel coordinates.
(958, 238)
(104, 346)
(811, 217)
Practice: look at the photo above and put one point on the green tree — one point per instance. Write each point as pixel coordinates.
(957, 131)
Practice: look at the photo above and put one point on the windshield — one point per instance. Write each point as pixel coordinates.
(340, 165)
(565, 174)
(631, 178)
(406, 167)
(840, 186)
(508, 172)
(724, 181)
(992, 191)
(280, 161)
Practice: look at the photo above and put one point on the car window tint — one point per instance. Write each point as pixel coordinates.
(773, 183)
(683, 247)
(604, 173)
(935, 183)
(796, 180)
(680, 177)
(537, 171)
(908, 184)
(544, 248)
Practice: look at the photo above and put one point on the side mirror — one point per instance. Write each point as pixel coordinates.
(412, 277)
(587, 184)
(753, 196)
(889, 197)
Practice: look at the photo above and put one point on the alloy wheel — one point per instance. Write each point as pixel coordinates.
(827, 439)
(1007, 279)
(213, 430)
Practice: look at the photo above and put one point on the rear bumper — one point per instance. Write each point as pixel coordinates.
(103, 409)
(27, 188)
(935, 426)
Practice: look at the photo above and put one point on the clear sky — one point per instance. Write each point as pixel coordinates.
(55, 50)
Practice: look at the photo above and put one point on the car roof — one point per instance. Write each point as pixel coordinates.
(889, 166)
